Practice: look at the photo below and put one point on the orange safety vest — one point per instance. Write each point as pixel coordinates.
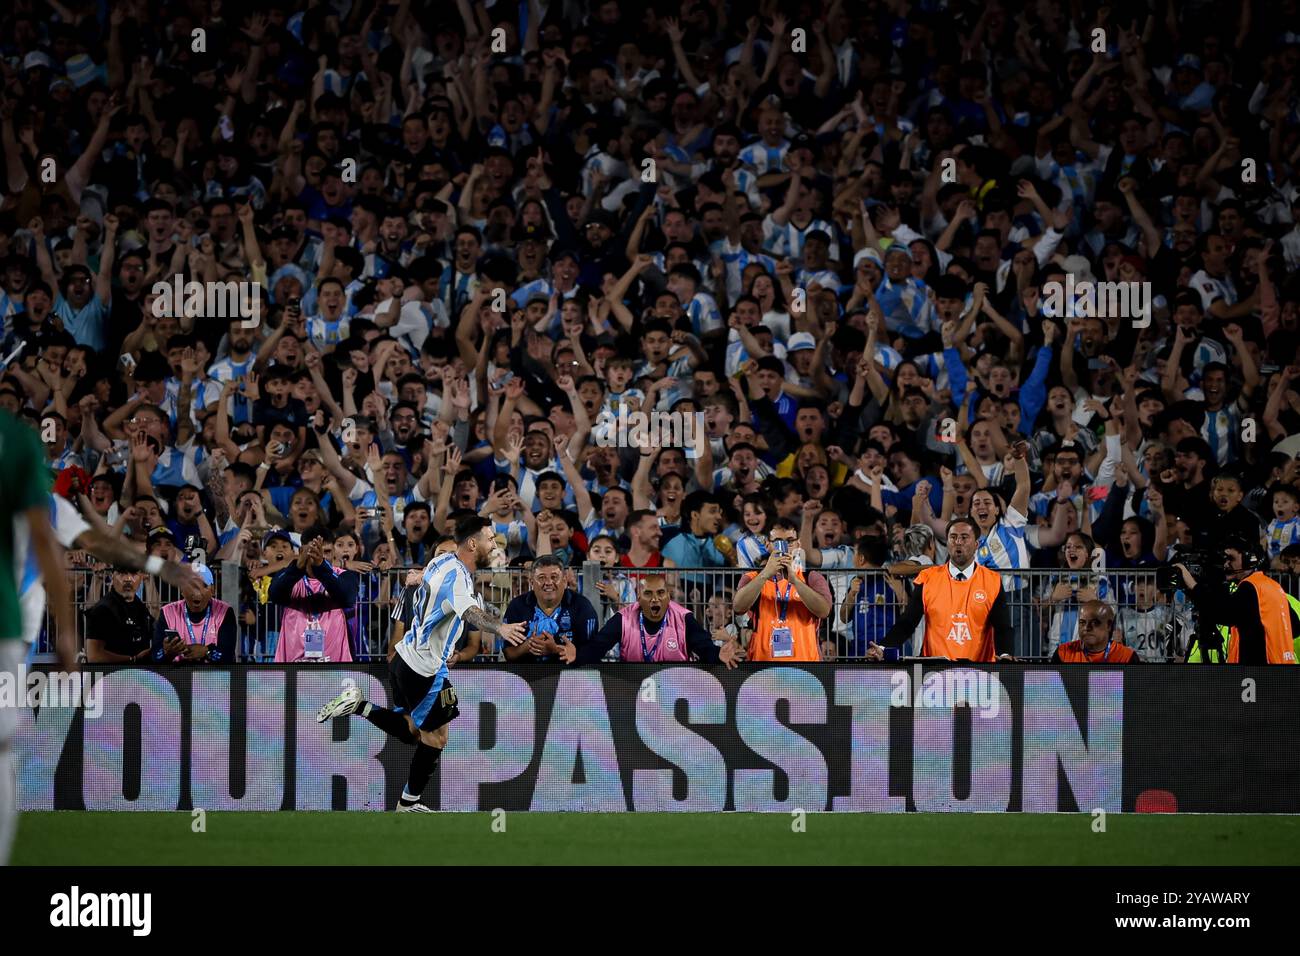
(957, 613)
(1275, 614)
(801, 622)
(1072, 652)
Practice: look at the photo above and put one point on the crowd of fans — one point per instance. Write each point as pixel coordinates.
(478, 234)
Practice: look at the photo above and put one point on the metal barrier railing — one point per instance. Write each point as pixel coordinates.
(1043, 605)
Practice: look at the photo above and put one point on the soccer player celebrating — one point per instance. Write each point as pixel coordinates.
(444, 606)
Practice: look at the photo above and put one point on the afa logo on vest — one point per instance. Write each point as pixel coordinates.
(959, 633)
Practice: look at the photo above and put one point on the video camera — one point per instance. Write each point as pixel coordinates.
(1204, 565)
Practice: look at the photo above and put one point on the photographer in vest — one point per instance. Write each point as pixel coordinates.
(962, 604)
(655, 628)
(790, 606)
(1261, 623)
(196, 628)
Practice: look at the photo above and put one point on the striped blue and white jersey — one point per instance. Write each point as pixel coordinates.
(1282, 534)
(178, 464)
(515, 532)
(735, 260)
(444, 595)
(204, 393)
(889, 357)
(906, 306)
(839, 556)
(227, 369)
(456, 289)
(9, 307)
(746, 179)
(751, 550)
(1004, 548)
(932, 366)
(593, 526)
(325, 333)
(764, 159)
(1065, 619)
(825, 278)
(703, 312)
(598, 159)
(1221, 430)
(1040, 502)
(737, 355)
(539, 286)
(679, 368)
(787, 241)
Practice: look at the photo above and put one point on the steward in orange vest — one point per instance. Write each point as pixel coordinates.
(1096, 643)
(962, 603)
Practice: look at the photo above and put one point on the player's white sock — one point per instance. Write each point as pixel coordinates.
(8, 801)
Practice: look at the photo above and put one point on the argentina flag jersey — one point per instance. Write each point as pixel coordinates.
(906, 306)
(1220, 430)
(787, 241)
(703, 313)
(456, 289)
(763, 158)
(445, 593)
(1003, 548)
(1282, 534)
(735, 260)
(1065, 620)
(227, 370)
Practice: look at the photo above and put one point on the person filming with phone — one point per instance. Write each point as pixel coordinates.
(790, 605)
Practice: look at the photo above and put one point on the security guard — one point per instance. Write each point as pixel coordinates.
(962, 604)
(1260, 621)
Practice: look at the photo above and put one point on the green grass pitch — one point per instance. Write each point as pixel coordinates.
(124, 839)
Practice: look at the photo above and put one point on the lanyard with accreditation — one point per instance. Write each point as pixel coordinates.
(782, 637)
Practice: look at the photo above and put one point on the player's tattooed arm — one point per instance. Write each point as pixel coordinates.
(480, 619)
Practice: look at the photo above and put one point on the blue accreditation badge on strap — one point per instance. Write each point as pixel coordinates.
(782, 642)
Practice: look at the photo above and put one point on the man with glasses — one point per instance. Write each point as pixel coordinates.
(404, 422)
(1097, 642)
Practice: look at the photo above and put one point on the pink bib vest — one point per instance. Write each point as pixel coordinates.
(666, 644)
(293, 625)
(177, 618)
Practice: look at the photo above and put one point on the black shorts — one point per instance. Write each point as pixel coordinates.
(430, 702)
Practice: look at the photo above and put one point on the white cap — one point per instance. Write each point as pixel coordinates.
(871, 254)
(799, 342)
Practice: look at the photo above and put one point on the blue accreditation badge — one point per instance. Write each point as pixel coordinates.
(782, 642)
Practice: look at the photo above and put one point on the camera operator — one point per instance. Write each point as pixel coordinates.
(1260, 622)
